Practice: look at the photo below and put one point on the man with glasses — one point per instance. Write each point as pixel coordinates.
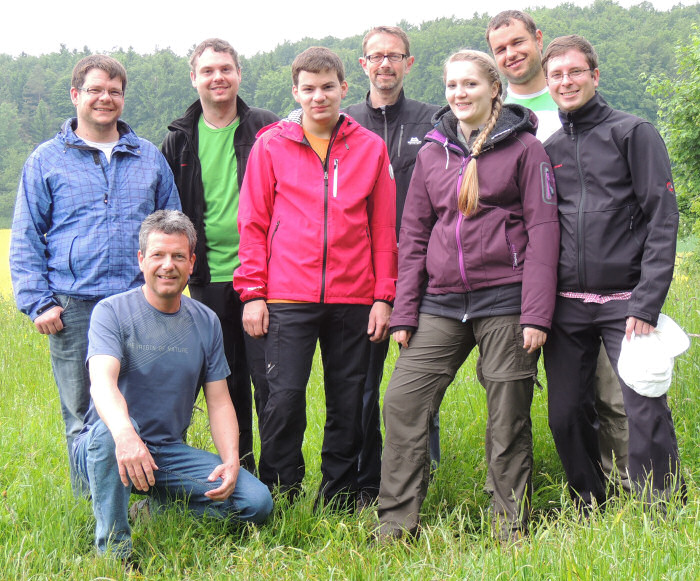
(81, 200)
(401, 123)
(619, 221)
(516, 44)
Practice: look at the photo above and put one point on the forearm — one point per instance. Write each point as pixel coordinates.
(223, 426)
(109, 402)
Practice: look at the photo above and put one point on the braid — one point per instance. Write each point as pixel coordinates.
(468, 200)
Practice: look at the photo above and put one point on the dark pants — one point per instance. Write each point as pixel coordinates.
(370, 461)
(242, 354)
(570, 354)
(341, 331)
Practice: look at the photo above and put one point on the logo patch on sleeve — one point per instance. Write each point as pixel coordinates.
(549, 192)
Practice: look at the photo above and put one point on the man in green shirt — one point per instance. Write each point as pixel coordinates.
(208, 149)
(516, 44)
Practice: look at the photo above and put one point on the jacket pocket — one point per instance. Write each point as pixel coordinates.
(272, 239)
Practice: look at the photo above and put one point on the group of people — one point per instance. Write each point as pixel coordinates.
(287, 233)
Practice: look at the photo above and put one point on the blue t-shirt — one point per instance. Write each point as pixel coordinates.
(164, 358)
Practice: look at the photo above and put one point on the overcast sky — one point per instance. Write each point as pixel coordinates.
(41, 26)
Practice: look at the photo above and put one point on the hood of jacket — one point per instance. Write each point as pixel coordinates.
(513, 119)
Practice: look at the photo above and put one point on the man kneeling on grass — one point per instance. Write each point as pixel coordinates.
(149, 351)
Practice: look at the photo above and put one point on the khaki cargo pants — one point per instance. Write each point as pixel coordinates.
(423, 371)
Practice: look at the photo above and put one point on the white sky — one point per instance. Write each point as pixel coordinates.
(251, 26)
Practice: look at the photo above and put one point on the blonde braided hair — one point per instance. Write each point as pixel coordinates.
(468, 200)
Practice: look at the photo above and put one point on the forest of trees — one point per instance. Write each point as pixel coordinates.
(634, 44)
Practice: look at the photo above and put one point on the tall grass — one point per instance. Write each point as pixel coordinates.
(46, 534)
(5, 284)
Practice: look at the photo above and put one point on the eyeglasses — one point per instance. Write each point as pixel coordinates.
(394, 57)
(574, 75)
(97, 92)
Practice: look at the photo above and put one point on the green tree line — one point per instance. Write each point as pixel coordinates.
(634, 44)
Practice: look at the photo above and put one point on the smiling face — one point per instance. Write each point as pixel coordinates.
(166, 265)
(386, 76)
(216, 78)
(98, 114)
(571, 94)
(469, 93)
(518, 54)
(319, 95)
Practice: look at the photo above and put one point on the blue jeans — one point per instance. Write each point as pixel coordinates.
(68, 351)
(182, 475)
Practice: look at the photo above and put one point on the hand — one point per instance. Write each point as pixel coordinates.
(256, 318)
(134, 460)
(49, 322)
(229, 475)
(533, 339)
(638, 326)
(402, 337)
(378, 327)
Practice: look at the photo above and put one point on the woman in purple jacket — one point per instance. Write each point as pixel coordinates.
(477, 266)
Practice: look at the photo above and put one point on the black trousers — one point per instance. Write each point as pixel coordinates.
(341, 331)
(243, 355)
(570, 356)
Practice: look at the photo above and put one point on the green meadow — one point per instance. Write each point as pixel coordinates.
(46, 534)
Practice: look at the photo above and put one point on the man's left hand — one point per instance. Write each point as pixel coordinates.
(638, 326)
(378, 327)
(229, 475)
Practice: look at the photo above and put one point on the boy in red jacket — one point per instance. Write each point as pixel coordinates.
(318, 263)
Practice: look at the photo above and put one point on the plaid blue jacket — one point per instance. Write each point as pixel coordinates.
(77, 217)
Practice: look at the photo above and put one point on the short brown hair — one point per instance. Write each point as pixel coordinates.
(564, 44)
(103, 62)
(217, 45)
(506, 18)
(316, 59)
(393, 30)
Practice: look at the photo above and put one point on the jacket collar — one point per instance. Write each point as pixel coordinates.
(591, 114)
(291, 127)
(513, 119)
(188, 122)
(391, 112)
(127, 138)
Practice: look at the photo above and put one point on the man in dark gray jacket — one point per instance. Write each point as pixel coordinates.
(402, 123)
(619, 221)
(207, 149)
(516, 44)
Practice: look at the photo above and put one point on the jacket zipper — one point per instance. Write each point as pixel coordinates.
(460, 250)
(334, 135)
(580, 220)
(98, 161)
(512, 251)
(386, 142)
(335, 177)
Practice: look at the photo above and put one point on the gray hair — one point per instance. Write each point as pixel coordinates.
(167, 222)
